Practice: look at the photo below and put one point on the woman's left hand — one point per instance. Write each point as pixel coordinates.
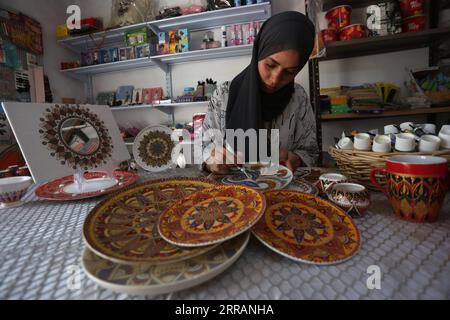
(290, 160)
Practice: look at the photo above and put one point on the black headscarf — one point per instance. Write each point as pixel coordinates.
(248, 106)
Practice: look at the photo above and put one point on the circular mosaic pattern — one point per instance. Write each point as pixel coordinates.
(55, 190)
(264, 183)
(150, 279)
(123, 228)
(303, 186)
(51, 136)
(152, 148)
(212, 215)
(306, 228)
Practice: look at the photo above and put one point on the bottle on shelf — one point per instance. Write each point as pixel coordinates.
(239, 38)
(237, 3)
(224, 37)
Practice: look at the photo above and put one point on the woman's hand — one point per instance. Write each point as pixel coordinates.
(290, 159)
(220, 161)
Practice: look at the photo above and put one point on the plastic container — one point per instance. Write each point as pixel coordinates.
(354, 31)
(414, 23)
(329, 35)
(338, 17)
(409, 8)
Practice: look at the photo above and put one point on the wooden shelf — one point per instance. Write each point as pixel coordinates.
(384, 44)
(387, 114)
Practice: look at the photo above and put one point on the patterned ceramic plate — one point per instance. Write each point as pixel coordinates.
(161, 279)
(123, 228)
(306, 228)
(260, 182)
(303, 186)
(63, 189)
(152, 148)
(212, 215)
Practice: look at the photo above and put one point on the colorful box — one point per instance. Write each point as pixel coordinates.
(126, 53)
(173, 41)
(136, 37)
(86, 58)
(137, 96)
(109, 55)
(142, 51)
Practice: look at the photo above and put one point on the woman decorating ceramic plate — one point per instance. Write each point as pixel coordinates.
(265, 96)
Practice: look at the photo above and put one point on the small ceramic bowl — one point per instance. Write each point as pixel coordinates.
(353, 198)
(12, 189)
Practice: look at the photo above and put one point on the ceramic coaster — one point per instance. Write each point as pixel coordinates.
(306, 228)
(122, 228)
(64, 189)
(150, 279)
(152, 148)
(211, 216)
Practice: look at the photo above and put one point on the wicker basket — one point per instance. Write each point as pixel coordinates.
(356, 165)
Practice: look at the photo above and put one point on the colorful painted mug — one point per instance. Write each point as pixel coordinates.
(416, 186)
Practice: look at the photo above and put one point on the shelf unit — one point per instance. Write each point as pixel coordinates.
(194, 22)
(369, 46)
(386, 114)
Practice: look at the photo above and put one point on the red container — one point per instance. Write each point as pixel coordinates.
(414, 23)
(411, 8)
(354, 31)
(338, 17)
(329, 35)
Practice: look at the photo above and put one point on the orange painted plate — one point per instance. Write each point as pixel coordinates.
(122, 228)
(306, 228)
(211, 216)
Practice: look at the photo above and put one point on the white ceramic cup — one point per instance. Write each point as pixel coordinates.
(429, 143)
(405, 142)
(429, 128)
(362, 142)
(345, 144)
(381, 143)
(390, 129)
(444, 134)
(407, 126)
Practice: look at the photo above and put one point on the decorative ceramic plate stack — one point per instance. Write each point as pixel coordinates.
(125, 252)
(306, 228)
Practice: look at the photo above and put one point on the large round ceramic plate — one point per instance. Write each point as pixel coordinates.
(277, 181)
(150, 279)
(211, 216)
(306, 228)
(152, 148)
(122, 228)
(303, 186)
(64, 189)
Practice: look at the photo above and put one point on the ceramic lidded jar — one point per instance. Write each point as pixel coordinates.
(353, 198)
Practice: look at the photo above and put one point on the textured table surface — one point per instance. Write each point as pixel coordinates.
(41, 246)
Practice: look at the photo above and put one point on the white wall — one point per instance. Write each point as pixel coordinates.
(50, 13)
(355, 71)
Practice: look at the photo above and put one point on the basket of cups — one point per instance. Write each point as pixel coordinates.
(356, 156)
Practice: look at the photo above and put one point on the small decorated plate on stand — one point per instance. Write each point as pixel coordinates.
(252, 178)
(151, 279)
(123, 227)
(96, 184)
(303, 186)
(211, 216)
(307, 229)
(152, 148)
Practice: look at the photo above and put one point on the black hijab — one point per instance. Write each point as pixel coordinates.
(248, 106)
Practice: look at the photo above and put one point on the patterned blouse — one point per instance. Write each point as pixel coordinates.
(297, 125)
